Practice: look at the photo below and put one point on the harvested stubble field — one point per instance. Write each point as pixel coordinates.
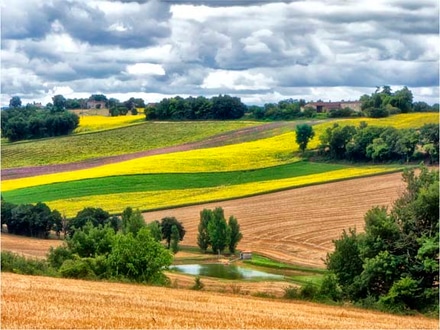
(297, 226)
(49, 303)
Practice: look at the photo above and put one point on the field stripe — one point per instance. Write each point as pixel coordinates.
(150, 200)
(161, 181)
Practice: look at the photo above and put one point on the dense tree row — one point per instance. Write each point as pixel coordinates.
(283, 110)
(31, 123)
(365, 143)
(177, 108)
(216, 233)
(394, 263)
(383, 102)
(30, 220)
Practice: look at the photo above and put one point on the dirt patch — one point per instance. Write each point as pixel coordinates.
(27, 246)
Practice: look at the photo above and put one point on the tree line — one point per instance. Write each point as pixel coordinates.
(393, 264)
(378, 144)
(33, 123)
(100, 245)
(220, 107)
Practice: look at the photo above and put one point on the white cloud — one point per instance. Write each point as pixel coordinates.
(145, 69)
(236, 80)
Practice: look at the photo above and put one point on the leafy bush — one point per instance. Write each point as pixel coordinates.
(329, 288)
(58, 255)
(198, 284)
(12, 262)
(308, 291)
(291, 292)
(77, 268)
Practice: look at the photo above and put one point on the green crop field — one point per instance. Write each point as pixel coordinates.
(112, 142)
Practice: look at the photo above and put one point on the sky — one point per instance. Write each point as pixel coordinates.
(259, 50)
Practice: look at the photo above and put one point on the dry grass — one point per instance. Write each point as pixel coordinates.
(49, 303)
(297, 226)
(27, 246)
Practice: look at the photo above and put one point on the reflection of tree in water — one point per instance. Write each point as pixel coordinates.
(220, 270)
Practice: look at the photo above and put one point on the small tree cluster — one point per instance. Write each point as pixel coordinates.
(30, 220)
(32, 123)
(216, 233)
(378, 144)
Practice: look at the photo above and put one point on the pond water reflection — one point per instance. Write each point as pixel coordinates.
(231, 272)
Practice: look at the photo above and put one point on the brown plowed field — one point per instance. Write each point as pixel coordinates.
(298, 225)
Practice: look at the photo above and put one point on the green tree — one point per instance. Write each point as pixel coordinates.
(219, 231)
(345, 262)
(59, 102)
(203, 237)
(132, 221)
(139, 258)
(15, 102)
(166, 226)
(91, 241)
(155, 230)
(96, 216)
(304, 133)
(236, 235)
(175, 238)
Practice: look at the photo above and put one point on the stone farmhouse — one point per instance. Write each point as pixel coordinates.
(92, 104)
(328, 106)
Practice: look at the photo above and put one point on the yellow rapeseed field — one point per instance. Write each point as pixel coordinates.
(98, 123)
(248, 155)
(115, 203)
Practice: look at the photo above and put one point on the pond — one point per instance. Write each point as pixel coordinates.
(230, 272)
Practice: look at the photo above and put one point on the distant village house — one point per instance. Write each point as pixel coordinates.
(329, 106)
(92, 104)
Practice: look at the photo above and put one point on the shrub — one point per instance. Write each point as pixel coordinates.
(78, 268)
(291, 292)
(58, 255)
(329, 288)
(308, 291)
(12, 262)
(198, 284)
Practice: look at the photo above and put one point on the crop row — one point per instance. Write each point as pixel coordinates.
(243, 156)
(140, 137)
(261, 153)
(161, 181)
(99, 123)
(149, 200)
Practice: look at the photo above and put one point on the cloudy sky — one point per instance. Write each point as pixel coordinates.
(260, 50)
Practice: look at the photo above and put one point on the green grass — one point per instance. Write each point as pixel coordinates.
(162, 181)
(261, 261)
(140, 137)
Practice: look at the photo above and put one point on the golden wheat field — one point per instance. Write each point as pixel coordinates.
(50, 303)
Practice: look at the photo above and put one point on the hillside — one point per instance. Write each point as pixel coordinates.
(50, 303)
(296, 225)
